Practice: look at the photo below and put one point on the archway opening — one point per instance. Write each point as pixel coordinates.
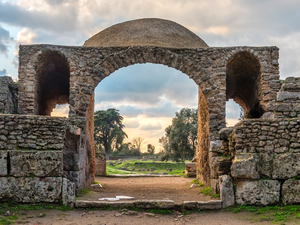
(243, 83)
(144, 98)
(53, 82)
(147, 96)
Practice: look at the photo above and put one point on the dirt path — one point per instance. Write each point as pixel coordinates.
(147, 188)
(84, 217)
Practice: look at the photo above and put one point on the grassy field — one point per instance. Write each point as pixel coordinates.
(159, 167)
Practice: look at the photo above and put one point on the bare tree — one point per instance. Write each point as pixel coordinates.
(138, 142)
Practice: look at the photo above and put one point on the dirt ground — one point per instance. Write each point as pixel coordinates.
(147, 188)
(84, 217)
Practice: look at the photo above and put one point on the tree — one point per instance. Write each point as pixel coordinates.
(150, 149)
(138, 142)
(180, 140)
(109, 130)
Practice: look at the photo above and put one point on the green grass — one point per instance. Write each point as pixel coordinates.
(5, 221)
(159, 167)
(196, 181)
(276, 214)
(83, 191)
(209, 192)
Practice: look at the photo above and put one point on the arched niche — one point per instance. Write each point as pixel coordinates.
(53, 82)
(243, 74)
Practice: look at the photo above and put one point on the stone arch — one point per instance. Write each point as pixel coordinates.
(52, 81)
(243, 75)
(140, 55)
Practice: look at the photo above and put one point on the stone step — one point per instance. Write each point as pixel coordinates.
(151, 204)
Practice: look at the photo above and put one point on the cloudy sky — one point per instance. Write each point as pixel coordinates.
(148, 95)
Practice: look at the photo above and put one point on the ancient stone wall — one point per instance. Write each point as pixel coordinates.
(265, 167)
(31, 159)
(8, 95)
(288, 99)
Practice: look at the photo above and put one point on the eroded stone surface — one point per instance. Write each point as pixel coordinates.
(244, 166)
(36, 163)
(265, 165)
(213, 204)
(262, 192)
(286, 166)
(216, 146)
(291, 192)
(68, 193)
(226, 190)
(190, 169)
(30, 189)
(31, 132)
(225, 132)
(3, 163)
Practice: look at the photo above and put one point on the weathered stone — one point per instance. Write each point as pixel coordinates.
(30, 189)
(3, 163)
(291, 192)
(226, 191)
(100, 166)
(265, 165)
(36, 163)
(262, 192)
(287, 96)
(68, 193)
(190, 204)
(219, 166)
(32, 132)
(286, 166)
(244, 166)
(225, 132)
(216, 146)
(215, 185)
(213, 204)
(190, 169)
(268, 115)
(154, 204)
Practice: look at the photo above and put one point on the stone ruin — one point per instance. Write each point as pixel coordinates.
(47, 159)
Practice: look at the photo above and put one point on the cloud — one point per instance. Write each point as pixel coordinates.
(150, 126)
(25, 36)
(3, 72)
(131, 123)
(5, 40)
(148, 84)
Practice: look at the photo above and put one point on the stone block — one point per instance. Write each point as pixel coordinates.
(286, 166)
(265, 165)
(216, 146)
(213, 204)
(225, 132)
(261, 192)
(288, 96)
(190, 204)
(244, 166)
(214, 184)
(268, 115)
(68, 193)
(219, 166)
(71, 161)
(226, 191)
(100, 166)
(36, 163)
(190, 169)
(154, 204)
(291, 192)
(3, 163)
(30, 189)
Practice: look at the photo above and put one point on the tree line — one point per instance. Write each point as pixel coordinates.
(178, 144)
